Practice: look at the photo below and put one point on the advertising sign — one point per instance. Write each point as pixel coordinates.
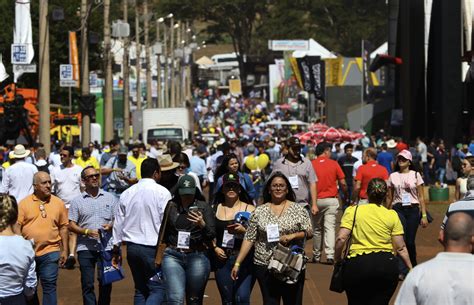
(20, 54)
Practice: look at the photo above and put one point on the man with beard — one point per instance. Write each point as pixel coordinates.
(121, 173)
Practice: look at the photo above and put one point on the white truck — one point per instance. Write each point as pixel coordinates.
(167, 124)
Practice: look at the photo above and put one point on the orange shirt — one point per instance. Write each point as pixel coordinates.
(44, 231)
(367, 172)
(328, 172)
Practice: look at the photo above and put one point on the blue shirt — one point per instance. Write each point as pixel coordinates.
(385, 159)
(91, 213)
(198, 166)
(17, 266)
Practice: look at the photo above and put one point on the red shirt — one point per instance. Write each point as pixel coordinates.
(328, 172)
(367, 172)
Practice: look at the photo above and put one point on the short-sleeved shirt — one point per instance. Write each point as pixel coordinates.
(385, 159)
(113, 180)
(367, 172)
(373, 230)
(328, 172)
(294, 219)
(405, 183)
(305, 172)
(66, 182)
(138, 163)
(91, 213)
(92, 161)
(43, 230)
(347, 165)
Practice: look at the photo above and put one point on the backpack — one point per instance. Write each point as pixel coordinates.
(43, 168)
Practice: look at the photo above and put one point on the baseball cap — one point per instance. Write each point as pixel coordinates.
(123, 150)
(230, 179)
(405, 154)
(186, 185)
(294, 141)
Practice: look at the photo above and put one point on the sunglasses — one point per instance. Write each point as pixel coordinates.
(43, 210)
(232, 186)
(93, 176)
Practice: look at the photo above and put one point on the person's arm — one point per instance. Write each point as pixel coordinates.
(389, 199)
(74, 227)
(341, 239)
(421, 198)
(63, 232)
(355, 193)
(109, 170)
(286, 239)
(401, 250)
(314, 198)
(244, 251)
(343, 186)
(31, 281)
(457, 190)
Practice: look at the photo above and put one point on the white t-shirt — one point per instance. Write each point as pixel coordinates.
(423, 151)
(66, 182)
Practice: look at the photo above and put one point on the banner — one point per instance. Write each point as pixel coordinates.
(235, 87)
(367, 83)
(313, 75)
(74, 57)
(334, 71)
(23, 34)
(296, 71)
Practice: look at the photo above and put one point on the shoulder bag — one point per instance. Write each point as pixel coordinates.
(161, 246)
(337, 279)
(108, 273)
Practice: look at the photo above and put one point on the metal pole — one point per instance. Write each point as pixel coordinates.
(149, 98)
(44, 76)
(158, 68)
(86, 120)
(179, 67)
(138, 63)
(126, 81)
(166, 93)
(363, 88)
(172, 82)
(108, 103)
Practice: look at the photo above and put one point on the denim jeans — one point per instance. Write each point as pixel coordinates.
(88, 260)
(410, 219)
(426, 173)
(235, 292)
(185, 276)
(441, 174)
(141, 260)
(47, 272)
(14, 300)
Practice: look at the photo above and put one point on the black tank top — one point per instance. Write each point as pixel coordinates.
(221, 226)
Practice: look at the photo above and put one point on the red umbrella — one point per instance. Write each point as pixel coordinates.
(332, 135)
(304, 137)
(318, 127)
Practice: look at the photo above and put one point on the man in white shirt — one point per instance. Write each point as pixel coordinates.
(137, 222)
(66, 184)
(18, 178)
(447, 278)
(423, 151)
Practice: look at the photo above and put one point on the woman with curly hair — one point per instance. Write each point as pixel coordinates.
(371, 269)
(17, 258)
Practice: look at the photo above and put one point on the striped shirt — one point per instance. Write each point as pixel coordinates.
(91, 213)
(466, 205)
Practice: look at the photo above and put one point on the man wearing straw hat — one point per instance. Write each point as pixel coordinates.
(18, 178)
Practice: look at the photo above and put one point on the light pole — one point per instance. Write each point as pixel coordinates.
(108, 103)
(171, 55)
(44, 76)
(126, 80)
(138, 63)
(149, 98)
(85, 90)
(167, 101)
(160, 102)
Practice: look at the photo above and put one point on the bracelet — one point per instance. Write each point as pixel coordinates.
(237, 264)
(424, 215)
(86, 232)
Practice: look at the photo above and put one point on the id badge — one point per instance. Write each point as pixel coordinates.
(293, 181)
(228, 240)
(406, 199)
(184, 239)
(273, 234)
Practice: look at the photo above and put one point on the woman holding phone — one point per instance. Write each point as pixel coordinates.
(189, 232)
(232, 214)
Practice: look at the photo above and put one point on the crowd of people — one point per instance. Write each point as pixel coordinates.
(186, 210)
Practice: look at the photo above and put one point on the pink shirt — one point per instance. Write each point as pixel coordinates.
(405, 183)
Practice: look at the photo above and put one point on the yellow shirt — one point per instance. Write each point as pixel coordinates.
(138, 163)
(374, 227)
(92, 161)
(6, 165)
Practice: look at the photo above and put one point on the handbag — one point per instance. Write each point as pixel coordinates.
(161, 246)
(337, 278)
(287, 263)
(108, 273)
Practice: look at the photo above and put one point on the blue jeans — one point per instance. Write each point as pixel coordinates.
(185, 276)
(426, 173)
(47, 272)
(235, 292)
(410, 219)
(141, 260)
(441, 173)
(87, 263)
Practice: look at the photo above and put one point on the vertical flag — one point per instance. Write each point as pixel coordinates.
(74, 57)
(318, 76)
(23, 34)
(367, 84)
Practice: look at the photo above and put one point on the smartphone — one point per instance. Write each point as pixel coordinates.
(193, 208)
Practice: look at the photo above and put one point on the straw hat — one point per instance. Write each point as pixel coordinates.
(391, 143)
(19, 152)
(166, 162)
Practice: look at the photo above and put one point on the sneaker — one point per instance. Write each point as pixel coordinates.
(315, 260)
(70, 262)
(330, 261)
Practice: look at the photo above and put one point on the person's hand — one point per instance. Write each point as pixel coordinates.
(116, 257)
(62, 258)
(314, 209)
(107, 227)
(285, 239)
(424, 222)
(93, 233)
(220, 253)
(236, 228)
(234, 274)
(196, 218)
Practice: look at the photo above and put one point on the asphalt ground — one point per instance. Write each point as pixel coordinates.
(316, 290)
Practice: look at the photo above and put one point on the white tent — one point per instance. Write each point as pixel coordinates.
(315, 49)
(383, 49)
(204, 61)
